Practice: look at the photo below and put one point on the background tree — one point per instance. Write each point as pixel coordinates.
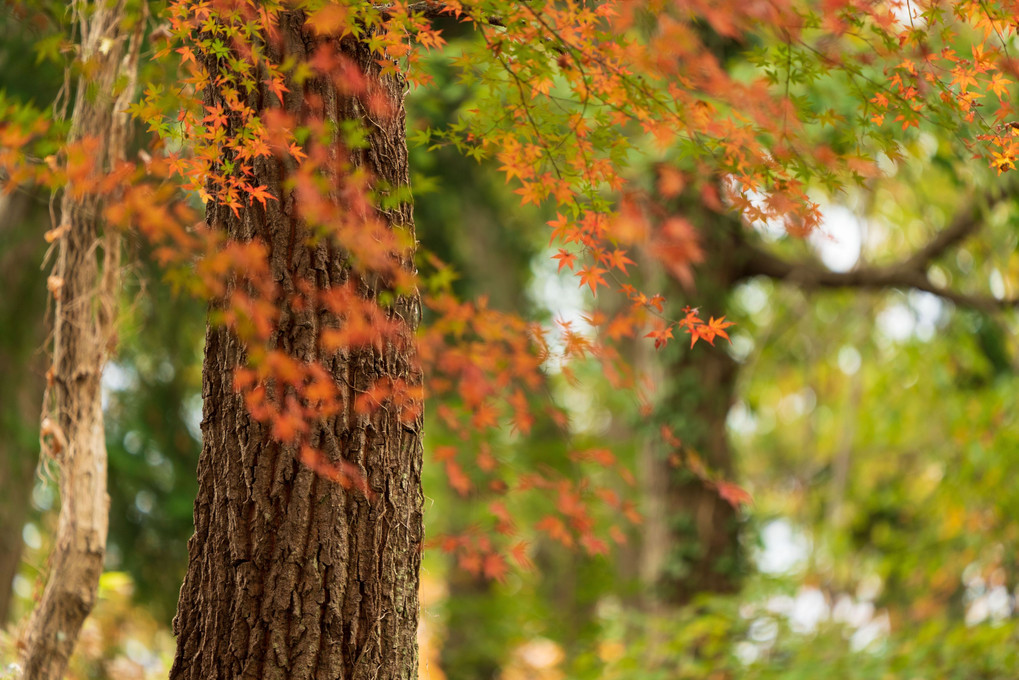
(151, 449)
(83, 284)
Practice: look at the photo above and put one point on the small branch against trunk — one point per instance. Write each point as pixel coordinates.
(432, 10)
(911, 272)
(88, 270)
(429, 9)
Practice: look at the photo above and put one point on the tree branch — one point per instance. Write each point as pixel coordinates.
(431, 9)
(966, 223)
(911, 272)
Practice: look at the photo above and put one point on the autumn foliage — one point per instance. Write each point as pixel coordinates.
(571, 97)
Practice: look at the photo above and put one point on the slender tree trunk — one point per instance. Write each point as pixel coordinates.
(85, 283)
(290, 576)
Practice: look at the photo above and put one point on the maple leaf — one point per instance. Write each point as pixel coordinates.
(706, 331)
(670, 181)
(734, 495)
(532, 192)
(963, 78)
(519, 554)
(556, 530)
(329, 20)
(566, 259)
(499, 511)
(470, 562)
(494, 567)
(260, 193)
(296, 152)
(277, 87)
(661, 336)
(592, 276)
(717, 327)
(678, 248)
(485, 416)
(457, 479)
(216, 116)
(186, 55)
(617, 259)
(560, 227)
(999, 85)
(1002, 162)
(594, 545)
(443, 453)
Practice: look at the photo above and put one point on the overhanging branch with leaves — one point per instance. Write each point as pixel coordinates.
(910, 272)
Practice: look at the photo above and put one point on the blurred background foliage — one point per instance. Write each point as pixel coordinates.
(876, 432)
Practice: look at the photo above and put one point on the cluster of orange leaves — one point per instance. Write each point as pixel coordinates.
(485, 367)
(481, 363)
(952, 59)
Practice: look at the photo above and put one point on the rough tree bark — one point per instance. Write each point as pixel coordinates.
(84, 283)
(289, 575)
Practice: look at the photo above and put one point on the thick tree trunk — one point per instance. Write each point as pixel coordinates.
(691, 543)
(85, 284)
(290, 576)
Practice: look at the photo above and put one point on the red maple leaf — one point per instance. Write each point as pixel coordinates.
(734, 495)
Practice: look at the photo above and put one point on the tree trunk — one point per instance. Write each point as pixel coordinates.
(700, 552)
(290, 576)
(85, 284)
(691, 543)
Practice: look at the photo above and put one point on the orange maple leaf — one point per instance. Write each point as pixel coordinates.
(732, 494)
(260, 193)
(277, 87)
(592, 276)
(717, 327)
(566, 259)
(519, 554)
